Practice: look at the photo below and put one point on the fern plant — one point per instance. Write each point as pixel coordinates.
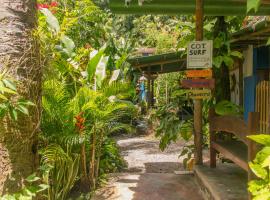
(60, 170)
(102, 116)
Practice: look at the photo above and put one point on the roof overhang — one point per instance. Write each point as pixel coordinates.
(187, 7)
(257, 35)
(159, 64)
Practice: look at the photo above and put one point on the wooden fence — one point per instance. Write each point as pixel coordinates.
(263, 105)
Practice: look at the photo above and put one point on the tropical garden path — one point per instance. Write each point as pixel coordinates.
(150, 173)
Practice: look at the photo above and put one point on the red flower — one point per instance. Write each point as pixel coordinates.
(48, 6)
(40, 6)
(54, 4)
(80, 122)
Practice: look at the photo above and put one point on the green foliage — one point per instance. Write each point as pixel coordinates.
(10, 101)
(51, 20)
(224, 54)
(60, 170)
(30, 191)
(170, 126)
(253, 5)
(228, 108)
(260, 166)
(95, 58)
(111, 160)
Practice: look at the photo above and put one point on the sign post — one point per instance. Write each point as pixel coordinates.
(198, 136)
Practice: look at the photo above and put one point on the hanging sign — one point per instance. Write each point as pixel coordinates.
(204, 73)
(198, 83)
(199, 54)
(199, 94)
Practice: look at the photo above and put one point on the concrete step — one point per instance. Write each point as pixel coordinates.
(226, 182)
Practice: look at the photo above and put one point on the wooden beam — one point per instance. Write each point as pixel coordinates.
(247, 36)
(157, 63)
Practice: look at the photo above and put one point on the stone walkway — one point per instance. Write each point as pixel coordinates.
(150, 174)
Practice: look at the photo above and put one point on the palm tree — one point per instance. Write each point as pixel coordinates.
(19, 55)
(102, 115)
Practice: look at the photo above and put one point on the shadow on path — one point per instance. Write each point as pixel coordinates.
(150, 174)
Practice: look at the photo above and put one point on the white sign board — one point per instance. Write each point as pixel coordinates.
(200, 54)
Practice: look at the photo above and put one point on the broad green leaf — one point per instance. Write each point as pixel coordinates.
(95, 57)
(25, 102)
(10, 84)
(51, 19)
(268, 42)
(115, 76)
(263, 196)
(33, 190)
(258, 170)
(43, 187)
(228, 61)
(266, 162)
(217, 42)
(217, 61)
(227, 108)
(253, 5)
(261, 139)
(2, 112)
(7, 90)
(69, 44)
(13, 114)
(255, 185)
(237, 54)
(101, 70)
(28, 193)
(3, 97)
(22, 109)
(262, 155)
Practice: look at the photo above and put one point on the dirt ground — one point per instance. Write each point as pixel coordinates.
(144, 156)
(150, 173)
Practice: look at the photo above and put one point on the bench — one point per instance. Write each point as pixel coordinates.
(240, 150)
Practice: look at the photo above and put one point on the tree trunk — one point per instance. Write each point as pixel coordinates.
(19, 54)
(222, 74)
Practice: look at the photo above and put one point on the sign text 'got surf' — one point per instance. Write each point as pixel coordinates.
(199, 54)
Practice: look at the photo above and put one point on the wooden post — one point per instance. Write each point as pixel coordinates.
(198, 103)
(148, 88)
(213, 152)
(253, 127)
(241, 83)
(152, 91)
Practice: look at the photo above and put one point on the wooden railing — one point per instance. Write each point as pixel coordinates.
(263, 105)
